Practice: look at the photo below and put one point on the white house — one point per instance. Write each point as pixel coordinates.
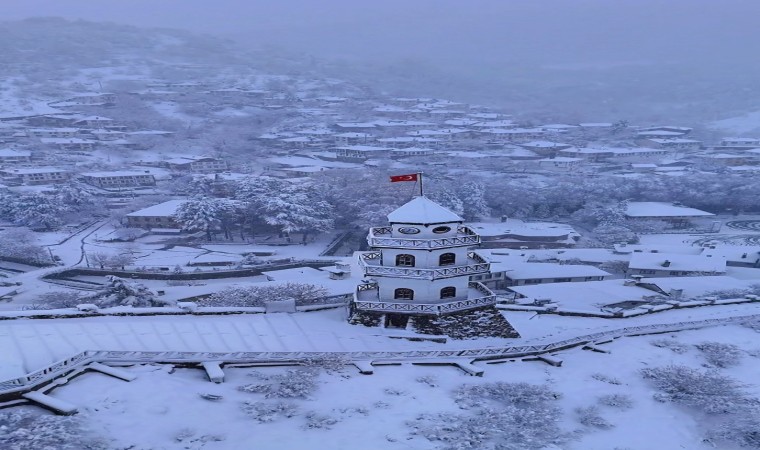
(560, 163)
(13, 156)
(119, 179)
(37, 175)
(675, 264)
(675, 213)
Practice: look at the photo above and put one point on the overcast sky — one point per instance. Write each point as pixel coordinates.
(564, 30)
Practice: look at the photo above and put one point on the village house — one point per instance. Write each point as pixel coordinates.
(54, 132)
(547, 149)
(587, 154)
(506, 275)
(671, 143)
(118, 179)
(514, 233)
(560, 163)
(70, 143)
(94, 122)
(156, 216)
(197, 164)
(36, 175)
(13, 156)
(88, 99)
(360, 152)
(676, 214)
(675, 264)
(738, 144)
(410, 151)
(351, 138)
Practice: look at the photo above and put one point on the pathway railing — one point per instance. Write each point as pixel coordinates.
(14, 387)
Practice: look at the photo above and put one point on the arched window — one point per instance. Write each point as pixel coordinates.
(403, 294)
(449, 292)
(447, 259)
(405, 260)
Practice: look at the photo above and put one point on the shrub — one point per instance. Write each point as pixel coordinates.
(294, 383)
(249, 296)
(265, 412)
(590, 417)
(315, 420)
(507, 416)
(671, 344)
(720, 355)
(606, 379)
(709, 391)
(621, 401)
(26, 430)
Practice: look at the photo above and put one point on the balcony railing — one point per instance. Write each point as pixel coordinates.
(381, 237)
(367, 300)
(370, 262)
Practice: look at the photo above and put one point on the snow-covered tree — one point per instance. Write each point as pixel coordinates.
(235, 296)
(121, 292)
(21, 244)
(205, 214)
(37, 211)
(473, 196)
(23, 429)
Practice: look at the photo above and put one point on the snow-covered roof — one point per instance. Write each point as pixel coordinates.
(677, 262)
(9, 152)
(164, 209)
(116, 173)
(422, 210)
(535, 271)
(663, 209)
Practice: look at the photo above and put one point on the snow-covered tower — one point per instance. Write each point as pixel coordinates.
(421, 265)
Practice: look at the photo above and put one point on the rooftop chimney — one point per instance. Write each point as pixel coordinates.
(666, 263)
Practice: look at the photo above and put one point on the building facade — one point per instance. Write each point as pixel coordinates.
(421, 264)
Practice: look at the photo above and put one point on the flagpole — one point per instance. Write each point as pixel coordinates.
(419, 177)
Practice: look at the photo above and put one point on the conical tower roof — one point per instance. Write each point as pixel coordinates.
(423, 211)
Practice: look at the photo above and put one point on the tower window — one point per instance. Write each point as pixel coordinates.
(405, 260)
(403, 294)
(447, 259)
(449, 292)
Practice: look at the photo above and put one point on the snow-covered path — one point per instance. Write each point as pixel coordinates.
(28, 345)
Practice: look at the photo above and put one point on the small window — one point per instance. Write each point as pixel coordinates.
(408, 230)
(441, 230)
(449, 292)
(403, 294)
(447, 259)
(405, 260)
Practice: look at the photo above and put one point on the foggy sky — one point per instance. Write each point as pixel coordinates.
(445, 30)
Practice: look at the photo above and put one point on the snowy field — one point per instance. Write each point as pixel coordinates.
(410, 407)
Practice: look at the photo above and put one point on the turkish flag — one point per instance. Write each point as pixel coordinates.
(410, 177)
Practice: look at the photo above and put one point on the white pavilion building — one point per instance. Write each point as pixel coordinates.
(421, 265)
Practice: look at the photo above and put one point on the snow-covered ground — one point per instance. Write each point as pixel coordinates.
(346, 410)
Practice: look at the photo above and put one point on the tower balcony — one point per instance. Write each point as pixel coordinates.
(367, 298)
(381, 237)
(475, 264)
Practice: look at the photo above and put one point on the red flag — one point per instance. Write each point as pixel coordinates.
(410, 177)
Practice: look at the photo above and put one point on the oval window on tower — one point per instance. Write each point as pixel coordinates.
(408, 230)
(441, 230)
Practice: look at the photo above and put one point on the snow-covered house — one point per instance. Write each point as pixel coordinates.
(13, 156)
(197, 164)
(421, 265)
(671, 143)
(738, 144)
(526, 273)
(156, 216)
(119, 179)
(560, 163)
(514, 233)
(361, 152)
(675, 264)
(678, 215)
(36, 175)
(70, 143)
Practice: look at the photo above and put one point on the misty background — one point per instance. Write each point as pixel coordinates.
(642, 60)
